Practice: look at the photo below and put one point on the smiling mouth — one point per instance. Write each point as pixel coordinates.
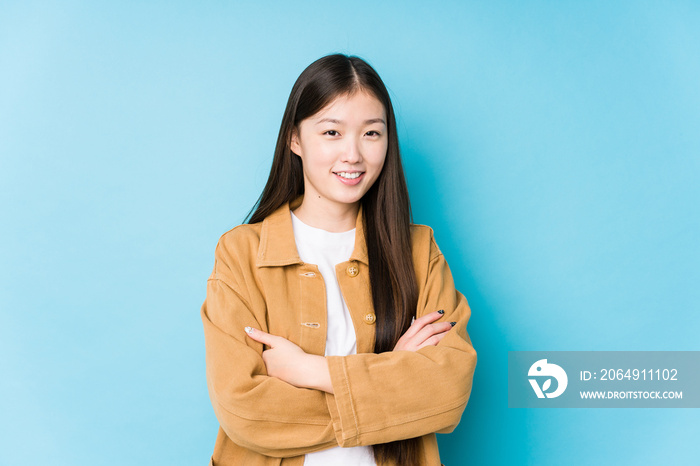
(348, 176)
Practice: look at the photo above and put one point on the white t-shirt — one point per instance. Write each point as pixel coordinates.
(327, 249)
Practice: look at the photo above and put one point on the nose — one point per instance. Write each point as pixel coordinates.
(352, 152)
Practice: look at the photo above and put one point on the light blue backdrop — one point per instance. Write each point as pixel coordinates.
(553, 147)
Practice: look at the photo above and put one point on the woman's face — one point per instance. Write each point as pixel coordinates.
(342, 148)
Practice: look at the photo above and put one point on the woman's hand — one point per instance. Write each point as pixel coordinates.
(423, 332)
(288, 362)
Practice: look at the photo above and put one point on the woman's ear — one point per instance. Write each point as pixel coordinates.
(294, 145)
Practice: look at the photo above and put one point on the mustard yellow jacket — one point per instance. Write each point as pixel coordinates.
(259, 280)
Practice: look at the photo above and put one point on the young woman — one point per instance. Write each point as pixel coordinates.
(334, 333)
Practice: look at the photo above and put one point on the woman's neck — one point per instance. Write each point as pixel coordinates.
(331, 217)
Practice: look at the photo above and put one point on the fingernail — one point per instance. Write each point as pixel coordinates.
(453, 323)
(441, 311)
(248, 330)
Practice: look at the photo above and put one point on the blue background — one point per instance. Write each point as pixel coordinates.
(553, 147)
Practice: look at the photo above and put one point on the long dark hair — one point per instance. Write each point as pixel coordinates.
(386, 208)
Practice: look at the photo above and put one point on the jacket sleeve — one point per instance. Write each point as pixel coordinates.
(256, 411)
(396, 395)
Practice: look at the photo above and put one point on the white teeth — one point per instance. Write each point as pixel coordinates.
(349, 176)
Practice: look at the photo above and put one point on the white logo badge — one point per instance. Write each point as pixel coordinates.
(542, 369)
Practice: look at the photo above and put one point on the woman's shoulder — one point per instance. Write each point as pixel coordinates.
(235, 253)
(242, 235)
(423, 242)
(240, 241)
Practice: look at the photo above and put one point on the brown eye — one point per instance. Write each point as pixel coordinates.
(331, 132)
(372, 133)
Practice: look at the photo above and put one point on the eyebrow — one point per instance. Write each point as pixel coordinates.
(338, 122)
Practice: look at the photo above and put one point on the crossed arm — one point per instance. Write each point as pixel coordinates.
(288, 362)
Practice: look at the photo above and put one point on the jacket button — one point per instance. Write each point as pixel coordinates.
(352, 270)
(370, 318)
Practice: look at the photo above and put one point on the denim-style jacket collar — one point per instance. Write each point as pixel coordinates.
(283, 250)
